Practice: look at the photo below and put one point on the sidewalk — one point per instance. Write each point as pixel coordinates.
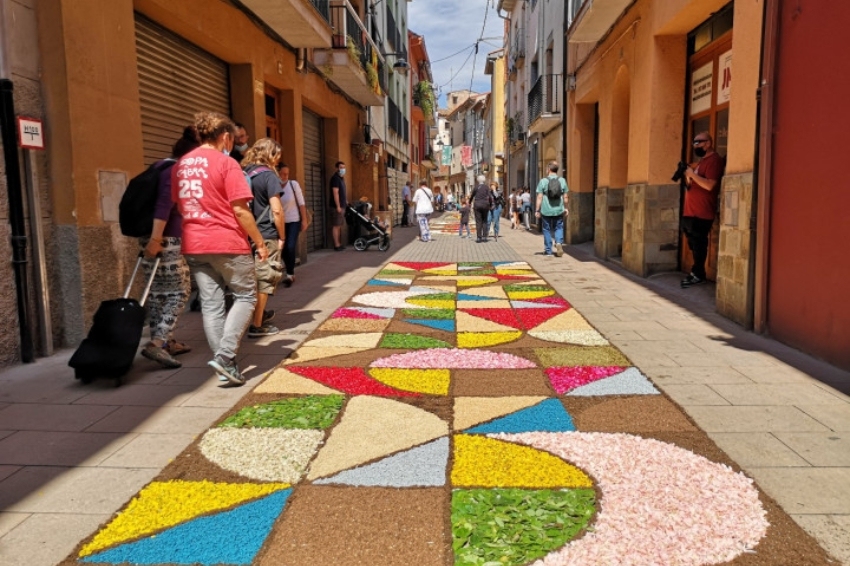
(71, 455)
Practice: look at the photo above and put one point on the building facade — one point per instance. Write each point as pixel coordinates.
(115, 91)
(643, 78)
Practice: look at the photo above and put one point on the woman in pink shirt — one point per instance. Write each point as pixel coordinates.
(212, 196)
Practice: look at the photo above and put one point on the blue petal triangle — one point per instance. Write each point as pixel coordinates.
(546, 416)
(386, 283)
(421, 466)
(231, 537)
(465, 297)
(447, 325)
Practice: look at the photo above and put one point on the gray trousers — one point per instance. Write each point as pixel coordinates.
(212, 272)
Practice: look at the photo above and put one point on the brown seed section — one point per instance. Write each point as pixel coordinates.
(325, 525)
(499, 383)
(635, 414)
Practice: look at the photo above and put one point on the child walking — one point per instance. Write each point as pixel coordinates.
(464, 219)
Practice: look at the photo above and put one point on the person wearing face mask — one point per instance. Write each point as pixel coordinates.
(240, 143)
(703, 179)
(337, 203)
(212, 197)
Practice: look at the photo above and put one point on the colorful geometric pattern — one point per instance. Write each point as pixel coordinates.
(398, 354)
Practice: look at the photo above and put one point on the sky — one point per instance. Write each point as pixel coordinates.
(451, 29)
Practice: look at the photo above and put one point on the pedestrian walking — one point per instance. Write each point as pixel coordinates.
(260, 165)
(464, 219)
(495, 212)
(551, 207)
(338, 202)
(512, 211)
(482, 204)
(212, 196)
(423, 199)
(525, 206)
(405, 203)
(171, 284)
(295, 220)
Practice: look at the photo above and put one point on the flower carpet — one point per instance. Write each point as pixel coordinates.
(452, 414)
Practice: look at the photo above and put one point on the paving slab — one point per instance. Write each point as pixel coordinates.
(37, 448)
(694, 394)
(753, 419)
(777, 394)
(807, 491)
(9, 521)
(758, 449)
(823, 449)
(149, 451)
(181, 419)
(69, 418)
(834, 417)
(46, 538)
(833, 531)
(704, 376)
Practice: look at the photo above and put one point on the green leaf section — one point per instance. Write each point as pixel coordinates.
(437, 297)
(516, 526)
(316, 412)
(412, 341)
(396, 273)
(432, 314)
(527, 288)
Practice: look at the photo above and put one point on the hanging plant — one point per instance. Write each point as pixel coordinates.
(363, 152)
(353, 50)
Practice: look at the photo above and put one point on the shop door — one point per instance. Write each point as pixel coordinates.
(708, 111)
(315, 191)
(176, 80)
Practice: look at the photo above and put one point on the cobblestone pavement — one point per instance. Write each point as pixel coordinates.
(72, 455)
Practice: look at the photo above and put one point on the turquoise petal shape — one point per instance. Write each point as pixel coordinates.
(447, 325)
(546, 416)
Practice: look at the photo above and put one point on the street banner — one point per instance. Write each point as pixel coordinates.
(447, 155)
(466, 156)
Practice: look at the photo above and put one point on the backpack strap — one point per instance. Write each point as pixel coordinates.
(254, 172)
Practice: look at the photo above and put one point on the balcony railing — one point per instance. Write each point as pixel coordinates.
(396, 120)
(516, 129)
(350, 35)
(518, 48)
(545, 97)
(323, 7)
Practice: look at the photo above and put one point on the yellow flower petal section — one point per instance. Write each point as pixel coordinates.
(161, 505)
(432, 304)
(485, 462)
(484, 339)
(428, 381)
(525, 295)
(515, 272)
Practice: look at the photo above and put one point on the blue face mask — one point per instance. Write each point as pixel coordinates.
(342, 172)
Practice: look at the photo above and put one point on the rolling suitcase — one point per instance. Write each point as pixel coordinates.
(112, 343)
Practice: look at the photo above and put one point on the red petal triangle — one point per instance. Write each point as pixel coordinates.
(422, 265)
(532, 317)
(353, 381)
(501, 316)
(564, 379)
(552, 300)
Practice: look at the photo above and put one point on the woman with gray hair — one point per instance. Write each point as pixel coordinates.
(482, 204)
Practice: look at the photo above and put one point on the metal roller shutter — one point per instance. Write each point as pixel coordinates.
(176, 80)
(314, 182)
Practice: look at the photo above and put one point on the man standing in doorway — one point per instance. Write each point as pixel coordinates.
(338, 202)
(551, 206)
(240, 143)
(701, 204)
(405, 202)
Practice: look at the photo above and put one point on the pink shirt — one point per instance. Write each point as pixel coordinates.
(203, 184)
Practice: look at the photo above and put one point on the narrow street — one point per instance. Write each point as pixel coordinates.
(419, 406)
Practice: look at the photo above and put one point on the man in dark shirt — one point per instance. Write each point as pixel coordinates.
(337, 203)
(701, 204)
(240, 143)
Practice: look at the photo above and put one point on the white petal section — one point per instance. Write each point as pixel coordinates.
(265, 454)
(660, 504)
(390, 299)
(629, 382)
(365, 340)
(579, 337)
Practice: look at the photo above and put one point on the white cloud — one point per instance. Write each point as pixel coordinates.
(452, 26)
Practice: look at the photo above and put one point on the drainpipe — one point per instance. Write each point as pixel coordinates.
(764, 165)
(16, 214)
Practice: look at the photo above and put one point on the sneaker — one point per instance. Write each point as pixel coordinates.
(264, 330)
(160, 356)
(339, 248)
(227, 371)
(559, 250)
(691, 280)
(267, 316)
(288, 280)
(176, 348)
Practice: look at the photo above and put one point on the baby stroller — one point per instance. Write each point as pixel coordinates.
(367, 232)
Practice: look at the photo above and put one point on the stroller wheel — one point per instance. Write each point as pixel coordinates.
(384, 244)
(361, 244)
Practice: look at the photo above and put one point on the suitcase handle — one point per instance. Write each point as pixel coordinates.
(150, 279)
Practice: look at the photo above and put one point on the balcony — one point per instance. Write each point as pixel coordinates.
(516, 131)
(544, 103)
(594, 18)
(354, 63)
(302, 23)
(424, 103)
(518, 48)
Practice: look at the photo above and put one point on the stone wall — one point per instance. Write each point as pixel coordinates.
(651, 228)
(734, 274)
(608, 229)
(579, 225)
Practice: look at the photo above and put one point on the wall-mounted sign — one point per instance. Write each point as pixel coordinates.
(724, 76)
(30, 133)
(702, 82)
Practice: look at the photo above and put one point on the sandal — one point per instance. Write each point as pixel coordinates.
(176, 348)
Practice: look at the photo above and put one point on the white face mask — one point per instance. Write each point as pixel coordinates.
(226, 152)
(342, 172)
(241, 148)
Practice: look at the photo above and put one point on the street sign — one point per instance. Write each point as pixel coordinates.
(30, 133)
